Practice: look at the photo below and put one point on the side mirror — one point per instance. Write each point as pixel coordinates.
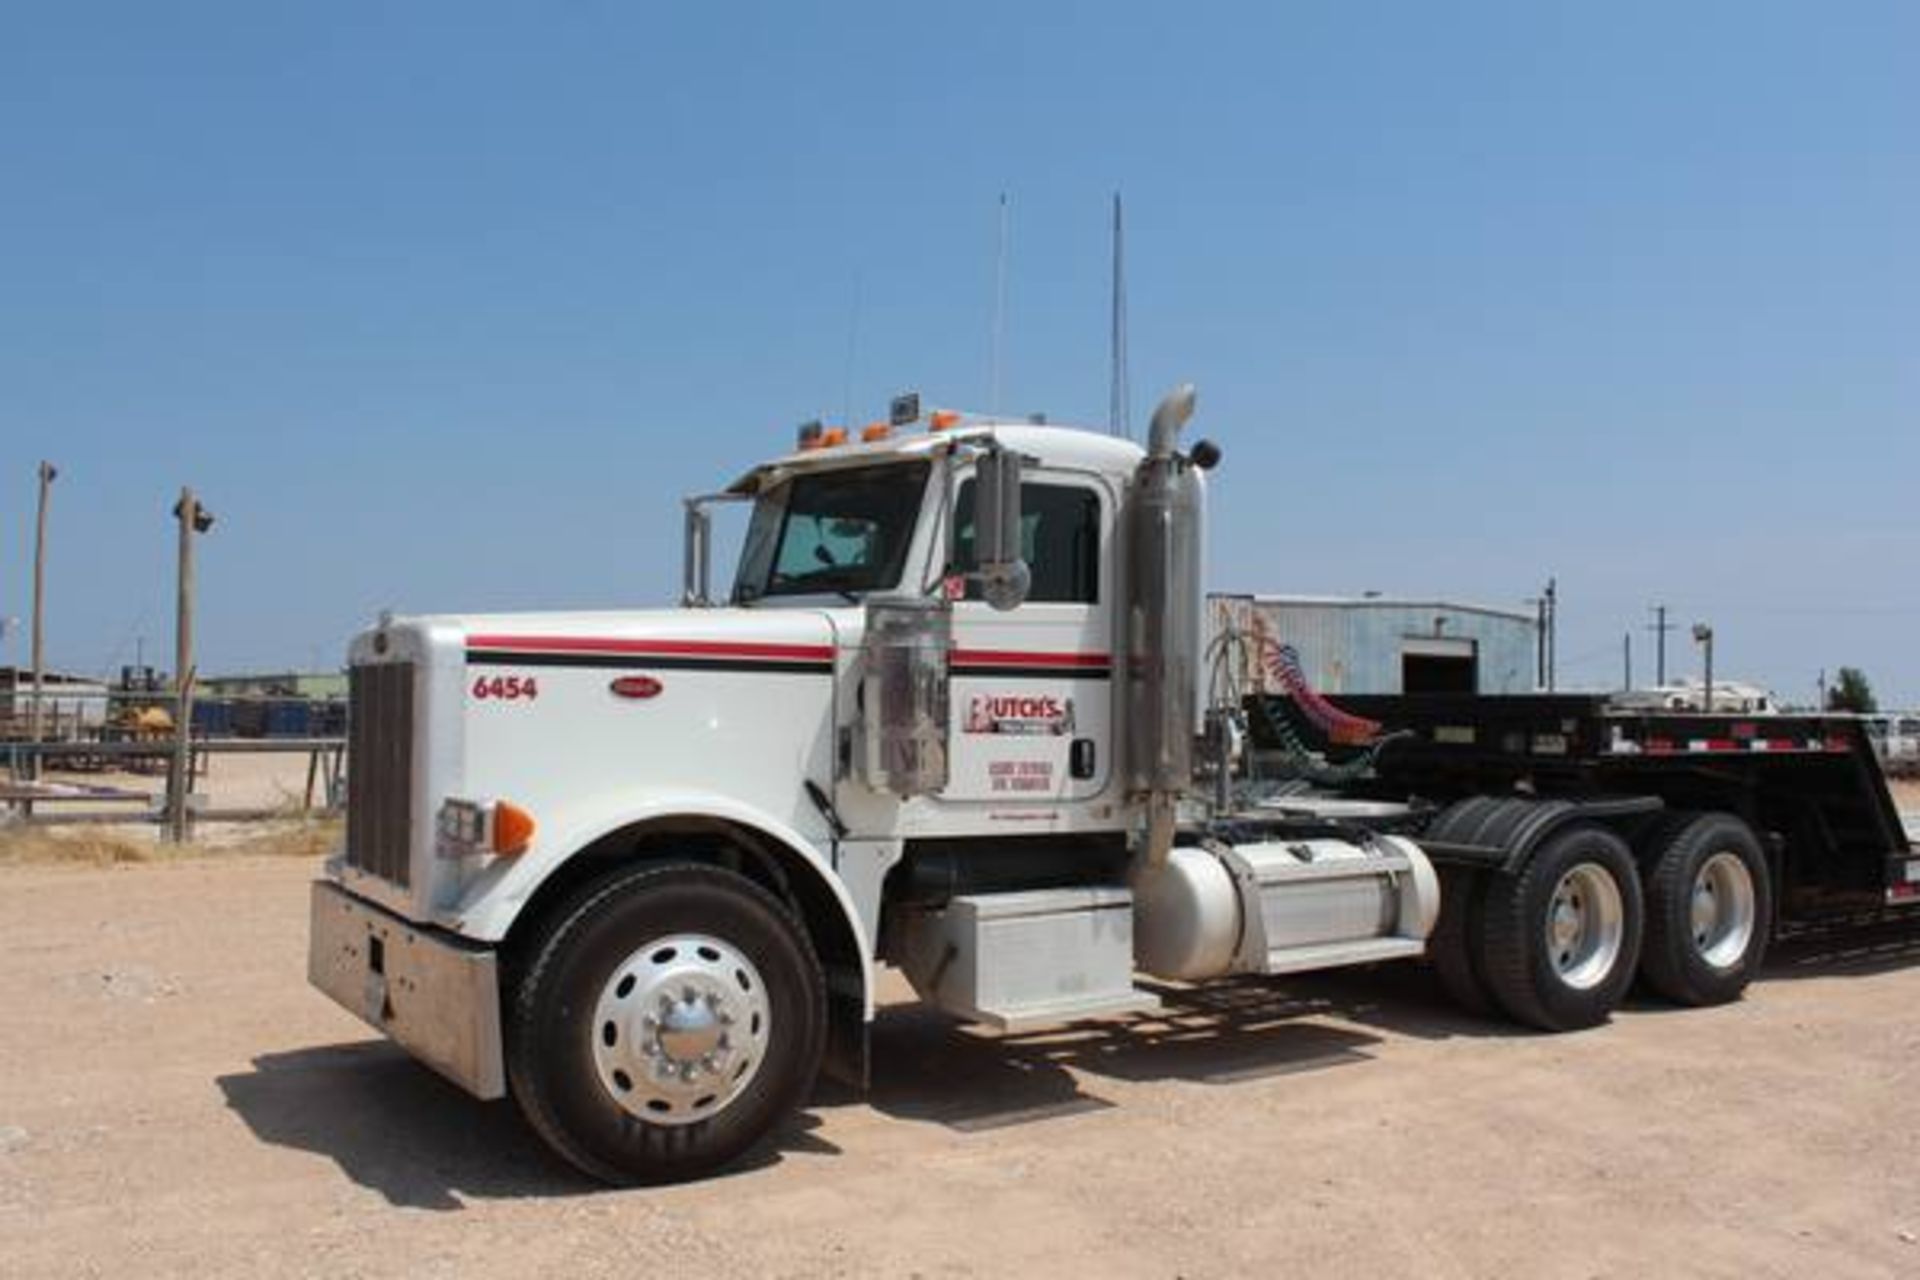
(1004, 577)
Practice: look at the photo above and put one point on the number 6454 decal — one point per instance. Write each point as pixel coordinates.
(506, 688)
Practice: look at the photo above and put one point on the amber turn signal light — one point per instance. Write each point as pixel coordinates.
(512, 829)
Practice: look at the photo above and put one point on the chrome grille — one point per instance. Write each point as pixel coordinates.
(380, 769)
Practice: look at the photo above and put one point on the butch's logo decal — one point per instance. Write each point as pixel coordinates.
(1021, 713)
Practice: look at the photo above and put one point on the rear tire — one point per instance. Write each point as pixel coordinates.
(1562, 937)
(1456, 944)
(1709, 909)
(668, 1019)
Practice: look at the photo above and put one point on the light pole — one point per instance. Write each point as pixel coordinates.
(1703, 636)
(193, 519)
(47, 474)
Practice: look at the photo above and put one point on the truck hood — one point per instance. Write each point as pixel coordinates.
(693, 638)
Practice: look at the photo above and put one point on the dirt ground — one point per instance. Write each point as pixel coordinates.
(175, 1101)
(1906, 793)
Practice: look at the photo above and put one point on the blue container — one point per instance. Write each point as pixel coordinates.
(213, 719)
(289, 718)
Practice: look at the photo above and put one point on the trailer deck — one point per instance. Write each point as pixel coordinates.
(1811, 782)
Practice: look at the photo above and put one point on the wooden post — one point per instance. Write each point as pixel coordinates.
(47, 473)
(193, 519)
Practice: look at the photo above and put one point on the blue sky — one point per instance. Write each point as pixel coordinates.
(443, 306)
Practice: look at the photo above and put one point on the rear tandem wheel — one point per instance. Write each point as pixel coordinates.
(1561, 937)
(1709, 908)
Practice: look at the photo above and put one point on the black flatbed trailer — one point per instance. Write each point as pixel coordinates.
(1578, 844)
(1810, 784)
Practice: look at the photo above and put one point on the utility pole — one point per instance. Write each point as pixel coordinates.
(1703, 636)
(1539, 604)
(193, 519)
(47, 473)
(1660, 626)
(1553, 630)
(1820, 682)
(1626, 662)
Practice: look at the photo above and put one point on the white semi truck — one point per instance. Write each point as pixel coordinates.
(959, 714)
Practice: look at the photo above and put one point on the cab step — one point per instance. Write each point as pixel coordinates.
(1336, 955)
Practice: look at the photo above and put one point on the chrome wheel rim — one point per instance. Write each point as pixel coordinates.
(1585, 926)
(680, 1029)
(1722, 910)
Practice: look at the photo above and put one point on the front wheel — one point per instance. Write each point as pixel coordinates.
(667, 1020)
(1562, 936)
(1709, 906)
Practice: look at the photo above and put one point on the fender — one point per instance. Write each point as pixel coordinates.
(1501, 832)
(489, 904)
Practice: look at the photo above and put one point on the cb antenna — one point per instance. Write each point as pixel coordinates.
(999, 305)
(1118, 423)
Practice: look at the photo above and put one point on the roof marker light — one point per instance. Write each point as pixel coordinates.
(875, 431)
(942, 419)
(832, 436)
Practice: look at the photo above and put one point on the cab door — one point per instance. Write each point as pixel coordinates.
(1032, 687)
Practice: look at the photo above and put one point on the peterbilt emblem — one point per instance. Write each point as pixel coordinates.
(636, 687)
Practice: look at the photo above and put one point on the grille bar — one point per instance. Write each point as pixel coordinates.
(380, 770)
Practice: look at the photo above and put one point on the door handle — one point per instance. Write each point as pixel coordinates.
(1080, 758)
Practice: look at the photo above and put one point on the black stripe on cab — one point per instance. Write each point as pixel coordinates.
(645, 662)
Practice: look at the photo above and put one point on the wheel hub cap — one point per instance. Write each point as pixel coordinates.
(680, 1029)
(1585, 926)
(1723, 910)
(690, 1029)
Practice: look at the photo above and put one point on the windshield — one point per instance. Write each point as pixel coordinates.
(840, 532)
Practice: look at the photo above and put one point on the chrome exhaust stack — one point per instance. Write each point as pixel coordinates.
(1163, 624)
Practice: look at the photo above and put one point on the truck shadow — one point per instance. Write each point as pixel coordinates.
(1877, 946)
(396, 1128)
(929, 1066)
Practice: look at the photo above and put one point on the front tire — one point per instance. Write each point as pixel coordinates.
(668, 1019)
(1562, 937)
(1709, 909)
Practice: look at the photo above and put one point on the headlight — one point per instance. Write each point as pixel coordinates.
(469, 827)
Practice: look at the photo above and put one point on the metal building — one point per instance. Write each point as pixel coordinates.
(1373, 644)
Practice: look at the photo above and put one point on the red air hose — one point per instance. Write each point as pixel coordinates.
(1282, 664)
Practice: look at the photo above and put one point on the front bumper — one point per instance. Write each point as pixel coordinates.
(434, 996)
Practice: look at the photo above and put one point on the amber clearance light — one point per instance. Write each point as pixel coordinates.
(512, 828)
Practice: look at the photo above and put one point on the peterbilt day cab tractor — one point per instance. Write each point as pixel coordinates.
(964, 712)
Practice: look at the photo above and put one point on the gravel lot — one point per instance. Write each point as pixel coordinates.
(175, 1101)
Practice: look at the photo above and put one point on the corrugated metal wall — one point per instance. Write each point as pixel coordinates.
(1355, 646)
